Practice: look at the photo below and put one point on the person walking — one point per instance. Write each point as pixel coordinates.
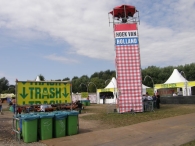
(14, 104)
(104, 98)
(157, 101)
(154, 100)
(1, 106)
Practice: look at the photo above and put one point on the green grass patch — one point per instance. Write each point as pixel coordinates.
(125, 119)
(191, 143)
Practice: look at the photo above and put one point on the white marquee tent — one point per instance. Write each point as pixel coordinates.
(176, 80)
(112, 86)
(37, 79)
(175, 77)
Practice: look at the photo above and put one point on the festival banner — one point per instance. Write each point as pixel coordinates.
(128, 67)
(37, 93)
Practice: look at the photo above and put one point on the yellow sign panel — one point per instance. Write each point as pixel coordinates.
(107, 90)
(43, 92)
(173, 85)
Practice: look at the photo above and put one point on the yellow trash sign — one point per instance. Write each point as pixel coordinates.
(43, 92)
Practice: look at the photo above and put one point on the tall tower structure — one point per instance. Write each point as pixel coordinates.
(125, 19)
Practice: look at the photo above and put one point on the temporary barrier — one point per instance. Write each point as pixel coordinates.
(18, 125)
(60, 124)
(46, 126)
(72, 123)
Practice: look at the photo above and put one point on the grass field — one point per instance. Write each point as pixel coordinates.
(118, 120)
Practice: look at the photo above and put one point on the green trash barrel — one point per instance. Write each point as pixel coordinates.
(46, 126)
(29, 128)
(60, 124)
(22, 116)
(72, 123)
(84, 102)
(88, 102)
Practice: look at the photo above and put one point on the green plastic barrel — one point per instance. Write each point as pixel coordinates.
(22, 116)
(29, 128)
(72, 123)
(84, 102)
(46, 126)
(88, 102)
(60, 124)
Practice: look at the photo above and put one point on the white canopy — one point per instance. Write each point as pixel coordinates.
(175, 77)
(37, 79)
(7, 95)
(113, 84)
(144, 86)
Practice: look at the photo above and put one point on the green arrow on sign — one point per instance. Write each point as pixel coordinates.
(65, 94)
(23, 94)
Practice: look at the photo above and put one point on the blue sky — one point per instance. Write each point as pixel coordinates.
(60, 39)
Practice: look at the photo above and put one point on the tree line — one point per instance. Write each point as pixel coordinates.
(100, 79)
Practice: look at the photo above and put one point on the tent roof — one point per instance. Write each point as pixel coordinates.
(144, 86)
(7, 95)
(113, 84)
(175, 77)
(37, 79)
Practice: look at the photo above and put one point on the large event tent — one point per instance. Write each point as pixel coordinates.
(175, 77)
(175, 83)
(112, 88)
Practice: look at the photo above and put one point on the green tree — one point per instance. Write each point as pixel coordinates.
(4, 84)
(191, 72)
(66, 79)
(75, 84)
(159, 76)
(83, 82)
(41, 77)
(93, 84)
(96, 74)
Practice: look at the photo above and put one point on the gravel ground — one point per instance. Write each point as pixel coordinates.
(7, 136)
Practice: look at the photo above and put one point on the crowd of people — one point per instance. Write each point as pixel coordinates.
(155, 98)
(77, 105)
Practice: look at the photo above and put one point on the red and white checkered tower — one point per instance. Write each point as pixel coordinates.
(128, 64)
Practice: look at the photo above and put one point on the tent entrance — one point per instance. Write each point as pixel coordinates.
(110, 98)
(193, 90)
(108, 95)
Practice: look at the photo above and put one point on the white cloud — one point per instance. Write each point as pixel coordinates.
(166, 30)
(61, 59)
